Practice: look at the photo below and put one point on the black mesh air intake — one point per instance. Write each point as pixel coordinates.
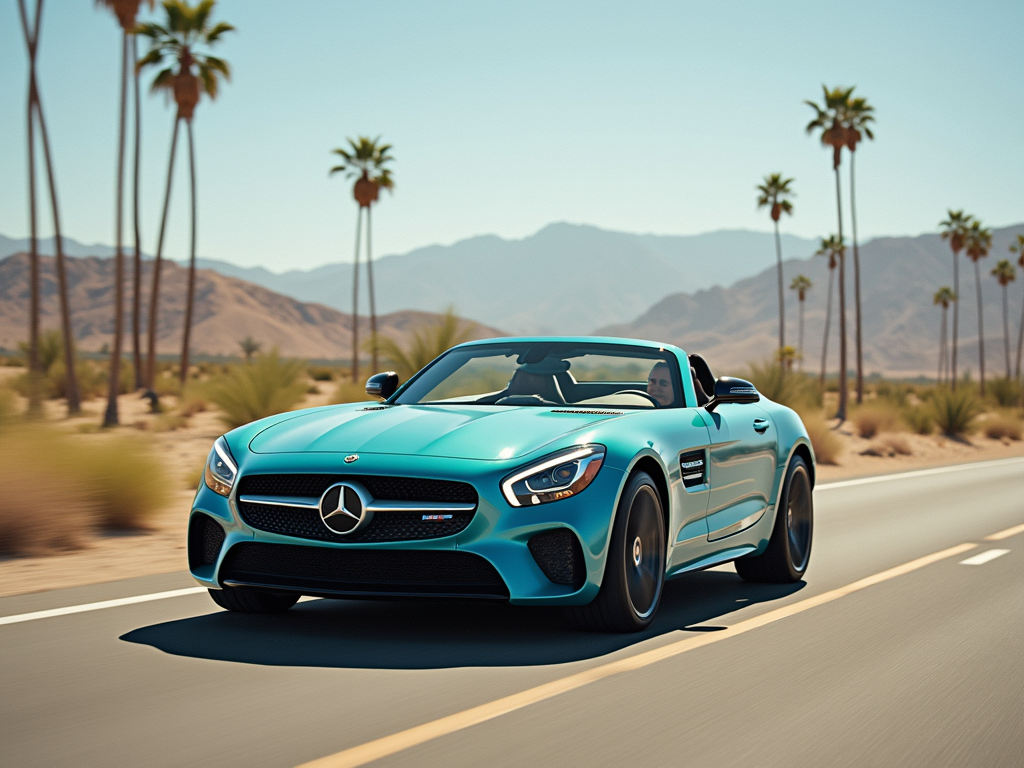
(560, 557)
(205, 538)
(384, 488)
(381, 572)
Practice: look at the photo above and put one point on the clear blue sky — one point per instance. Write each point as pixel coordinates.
(506, 116)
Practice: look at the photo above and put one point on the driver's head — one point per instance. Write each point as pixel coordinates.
(659, 385)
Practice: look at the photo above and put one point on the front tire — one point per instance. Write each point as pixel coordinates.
(789, 548)
(635, 569)
(249, 600)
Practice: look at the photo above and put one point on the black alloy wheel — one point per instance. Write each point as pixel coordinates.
(635, 569)
(250, 600)
(789, 549)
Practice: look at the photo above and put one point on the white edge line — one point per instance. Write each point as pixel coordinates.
(918, 473)
(985, 557)
(18, 618)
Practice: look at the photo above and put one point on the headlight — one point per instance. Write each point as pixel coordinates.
(559, 476)
(221, 469)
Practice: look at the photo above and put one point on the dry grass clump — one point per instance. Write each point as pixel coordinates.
(192, 401)
(788, 388)
(349, 392)
(255, 390)
(955, 410)
(57, 487)
(1008, 393)
(825, 442)
(876, 417)
(1004, 426)
(891, 445)
(322, 373)
(919, 419)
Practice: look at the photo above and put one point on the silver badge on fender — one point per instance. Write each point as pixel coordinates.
(351, 457)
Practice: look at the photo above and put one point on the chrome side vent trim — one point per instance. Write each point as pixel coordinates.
(693, 467)
(590, 411)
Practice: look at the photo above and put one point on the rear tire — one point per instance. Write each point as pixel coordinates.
(789, 548)
(249, 600)
(634, 572)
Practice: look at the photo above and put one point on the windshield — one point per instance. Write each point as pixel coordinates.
(550, 374)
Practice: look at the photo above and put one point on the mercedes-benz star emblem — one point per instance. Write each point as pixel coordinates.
(343, 509)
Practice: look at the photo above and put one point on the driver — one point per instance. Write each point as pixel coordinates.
(659, 385)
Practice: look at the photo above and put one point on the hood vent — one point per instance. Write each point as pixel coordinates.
(693, 466)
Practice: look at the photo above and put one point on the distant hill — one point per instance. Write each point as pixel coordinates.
(227, 310)
(900, 275)
(563, 279)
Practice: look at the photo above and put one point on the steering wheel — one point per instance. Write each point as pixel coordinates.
(643, 394)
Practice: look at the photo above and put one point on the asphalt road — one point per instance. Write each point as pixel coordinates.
(923, 668)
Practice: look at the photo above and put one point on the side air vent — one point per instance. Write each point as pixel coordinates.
(205, 538)
(590, 411)
(376, 408)
(694, 468)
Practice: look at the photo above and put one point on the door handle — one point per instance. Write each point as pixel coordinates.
(761, 425)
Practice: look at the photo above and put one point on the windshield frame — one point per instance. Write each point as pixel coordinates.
(606, 347)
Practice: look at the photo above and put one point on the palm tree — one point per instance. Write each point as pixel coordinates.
(186, 73)
(249, 347)
(775, 194)
(833, 248)
(125, 11)
(858, 116)
(137, 261)
(365, 161)
(35, 106)
(977, 242)
(831, 119)
(954, 229)
(1018, 248)
(944, 297)
(1005, 273)
(801, 284)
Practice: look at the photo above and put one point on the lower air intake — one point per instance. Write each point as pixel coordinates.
(560, 557)
(367, 572)
(205, 538)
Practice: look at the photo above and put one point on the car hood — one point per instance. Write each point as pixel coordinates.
(465, 432)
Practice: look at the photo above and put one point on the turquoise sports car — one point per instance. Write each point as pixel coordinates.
(579, 472)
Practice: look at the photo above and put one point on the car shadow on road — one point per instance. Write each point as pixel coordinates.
(361, 634)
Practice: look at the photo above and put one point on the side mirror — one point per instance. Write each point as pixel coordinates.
(730, 390)
(382, 384)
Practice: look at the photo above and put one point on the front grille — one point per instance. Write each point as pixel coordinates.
(385, 526)
(560, 557)
(384, 488)
(328, 571)
(205, 538)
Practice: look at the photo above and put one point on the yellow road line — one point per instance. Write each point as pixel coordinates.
(1006, 534)
(420, 734)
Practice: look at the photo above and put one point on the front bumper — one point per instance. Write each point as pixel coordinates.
(498, 533)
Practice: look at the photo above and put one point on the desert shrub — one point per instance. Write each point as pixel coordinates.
(321, 373)
(348, 392)
(8, 406)
(827, 445)
(879, 416)
(193, 400)
(262, 388)
(124, 479)
(1003, 425)
(893, 392)
(1006, 392)
(955, 410)
(166, 382)
(426, 344)
(919, 419)
(786, 387)
(168, 421)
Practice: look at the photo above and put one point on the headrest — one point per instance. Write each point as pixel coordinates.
(545, 367)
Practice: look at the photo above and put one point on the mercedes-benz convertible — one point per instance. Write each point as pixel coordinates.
(579, 472)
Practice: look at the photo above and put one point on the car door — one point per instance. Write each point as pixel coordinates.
(742, 467)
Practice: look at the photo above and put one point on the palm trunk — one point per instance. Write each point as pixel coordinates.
(782, 305)
(74, 397)
(828, 322)
(34, 373)
(856, 285)
(110, 418)
(369, 280)
(191, 259)
(1020, 342)
(843, 394)
(801, 335)
(355, 300)
(154, 292)
(1006, 331)
(956, 317)
(137, 273)
(981, 331)
(942, 348)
